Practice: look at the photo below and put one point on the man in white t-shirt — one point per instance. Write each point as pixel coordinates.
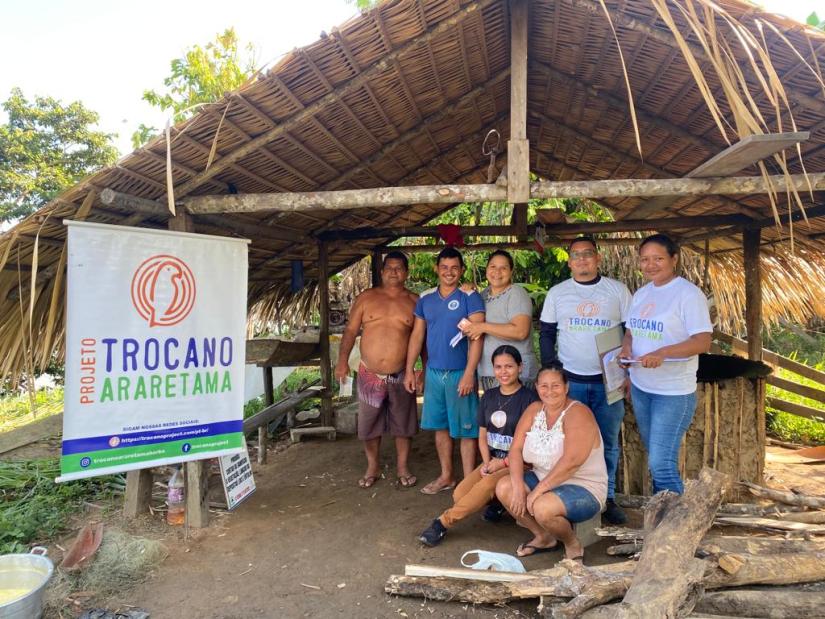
(574, 312)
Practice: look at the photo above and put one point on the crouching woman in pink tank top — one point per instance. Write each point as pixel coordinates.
(568, 481)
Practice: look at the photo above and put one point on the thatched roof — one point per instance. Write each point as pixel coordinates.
(405, 93)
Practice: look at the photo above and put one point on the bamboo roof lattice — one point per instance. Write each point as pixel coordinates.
(404, 95)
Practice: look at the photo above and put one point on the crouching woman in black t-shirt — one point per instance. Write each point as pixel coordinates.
(498, 414)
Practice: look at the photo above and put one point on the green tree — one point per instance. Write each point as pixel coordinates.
(46, 147)
(364, 4)
(813, 20)
(202, 75)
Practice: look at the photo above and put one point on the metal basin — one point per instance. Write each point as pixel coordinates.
(23, 579)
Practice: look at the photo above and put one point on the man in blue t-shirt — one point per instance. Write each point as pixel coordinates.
(450, 395)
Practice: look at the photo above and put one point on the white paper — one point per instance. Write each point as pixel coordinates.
(345, 387)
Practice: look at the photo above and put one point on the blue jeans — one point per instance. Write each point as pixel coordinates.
(663, 420)
(609, 417)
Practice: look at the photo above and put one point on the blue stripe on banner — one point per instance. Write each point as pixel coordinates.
(148, 437)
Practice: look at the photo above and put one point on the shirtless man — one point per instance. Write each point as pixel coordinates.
(384, 316)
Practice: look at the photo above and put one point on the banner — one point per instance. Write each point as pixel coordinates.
(155, 348)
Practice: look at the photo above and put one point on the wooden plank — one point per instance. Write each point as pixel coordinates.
(772, 358)
(736, 157)
(275, 412)
(31, 432)
(800, 410)
(467, 573)
(382, 233)
(753, 293)
(138, 493)
(799, 389)
(451, 194)
(746, 152)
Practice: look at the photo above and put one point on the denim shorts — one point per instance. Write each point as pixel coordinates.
(579, 503)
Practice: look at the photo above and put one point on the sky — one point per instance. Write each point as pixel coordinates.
(105, 53)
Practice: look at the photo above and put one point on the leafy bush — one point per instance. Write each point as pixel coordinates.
(792, 427)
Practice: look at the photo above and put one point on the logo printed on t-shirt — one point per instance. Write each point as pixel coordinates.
(647, 310)
(452, 305)
(587, 309)
(498, 419)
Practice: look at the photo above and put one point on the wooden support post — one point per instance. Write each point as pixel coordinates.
(269, 400)
(138, 492)
(753, 293)
(326, 366)
(196, 473)
(139, 482)
(518, 147)
(196, 480)
(375, 267)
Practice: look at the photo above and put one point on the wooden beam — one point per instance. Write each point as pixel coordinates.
(753, 293)
(326, 363)
(739, 156)
(518, 148)
(380, 233)
(637, 225)
(345, 198)
(352, 86)
(450, 194)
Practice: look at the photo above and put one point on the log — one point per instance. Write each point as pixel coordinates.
(667, 571)
(564, 580)
(783, 496)
(346, 199)
(748, 544)
(635, 501)
(782, 603)
(773, 569)
(770, 524)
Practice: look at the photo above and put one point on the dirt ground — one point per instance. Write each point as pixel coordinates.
(310, 543)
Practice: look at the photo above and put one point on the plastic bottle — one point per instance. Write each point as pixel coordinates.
(176, 514)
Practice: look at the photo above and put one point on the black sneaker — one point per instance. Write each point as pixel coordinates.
(433, 534)
(613, 513)
(494, 512)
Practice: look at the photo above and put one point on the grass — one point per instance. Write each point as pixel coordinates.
(33, 508)
(15, 411)
(792, 428)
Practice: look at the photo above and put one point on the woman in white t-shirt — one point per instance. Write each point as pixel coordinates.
(667, 326)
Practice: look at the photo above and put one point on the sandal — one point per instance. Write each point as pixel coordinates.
(434, 487)
(535, 549)
(367, 481)
(407, 481)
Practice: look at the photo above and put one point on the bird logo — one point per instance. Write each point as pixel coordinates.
(163, 290)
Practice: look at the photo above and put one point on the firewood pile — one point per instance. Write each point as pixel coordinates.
(677, 568)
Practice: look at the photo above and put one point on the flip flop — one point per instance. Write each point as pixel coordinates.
(577, 559)
(434, 488)
(407, 481)
(367, 481)
(536, 549)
